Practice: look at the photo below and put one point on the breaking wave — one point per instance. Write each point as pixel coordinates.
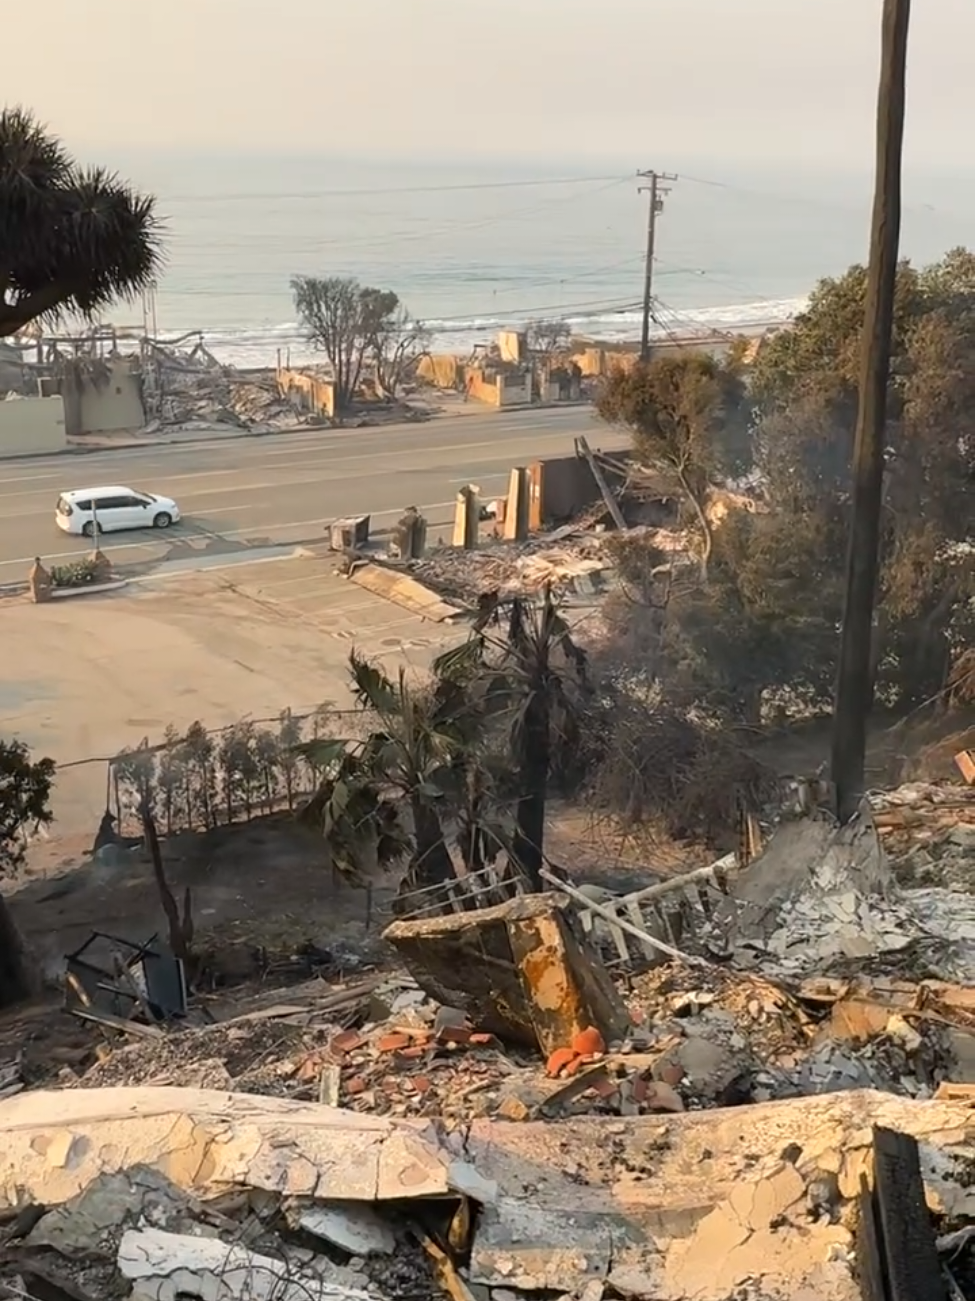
(260, 345)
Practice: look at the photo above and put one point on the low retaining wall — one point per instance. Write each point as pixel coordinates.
(32, 426)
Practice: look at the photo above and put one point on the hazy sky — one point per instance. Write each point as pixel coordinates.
(656, 82)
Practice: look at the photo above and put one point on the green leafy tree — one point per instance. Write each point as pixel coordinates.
(810, 371)
(688, 415)
(25, 804)
(766, 627)
(72, 239)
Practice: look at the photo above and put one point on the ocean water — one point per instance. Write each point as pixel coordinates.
(473, 249)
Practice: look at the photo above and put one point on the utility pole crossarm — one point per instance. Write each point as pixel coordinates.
(656, 186)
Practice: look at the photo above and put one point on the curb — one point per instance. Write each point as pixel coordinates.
(63, 593)
(87, 589)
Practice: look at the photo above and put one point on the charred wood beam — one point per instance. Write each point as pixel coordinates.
(897, 1251)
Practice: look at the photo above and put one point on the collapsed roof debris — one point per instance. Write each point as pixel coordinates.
(570, 561)
(188, 388)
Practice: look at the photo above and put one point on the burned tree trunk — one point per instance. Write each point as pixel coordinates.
(15, 980)
(431, 863)
(533, 765)
(180, 928)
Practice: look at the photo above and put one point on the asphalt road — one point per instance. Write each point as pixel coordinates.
(240, 493)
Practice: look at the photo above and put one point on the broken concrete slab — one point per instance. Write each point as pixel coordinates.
(53, 1145)
(403, 590)
(351, 1226)
(697, 1204)
(526, 1247)
(89, 1222)
(517, 969)
(165, 1266)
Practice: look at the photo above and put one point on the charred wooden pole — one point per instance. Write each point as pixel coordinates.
(854, 678)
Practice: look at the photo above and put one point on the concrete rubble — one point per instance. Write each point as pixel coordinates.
(815, 971)
(180, 1192)
(820, 898)
(513, 1116)
(164, 1266)
(928, 832)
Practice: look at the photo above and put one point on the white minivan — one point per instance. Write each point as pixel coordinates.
(107, 510)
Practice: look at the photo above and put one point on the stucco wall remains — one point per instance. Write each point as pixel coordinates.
(442, 370)
(564, 486)
(113, 404)
(308, 392)
(512, 345)
(601, 361)
(32, 425)
(483, 388)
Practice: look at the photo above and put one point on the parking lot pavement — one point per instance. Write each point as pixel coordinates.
(97, 674)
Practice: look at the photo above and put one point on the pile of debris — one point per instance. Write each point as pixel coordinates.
(190, 389)
(572, 560)
(806, 972)
(674, 1092)
(162, 1193)
(929, 834)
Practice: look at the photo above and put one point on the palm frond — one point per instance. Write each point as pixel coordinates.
(71, 239)
(360, 823)
(33, 163)
(323, 752)
(371, 687)
(112, 232)
(461, 662)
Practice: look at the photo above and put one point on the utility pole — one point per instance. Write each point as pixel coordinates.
(657, 193)
(854, 679)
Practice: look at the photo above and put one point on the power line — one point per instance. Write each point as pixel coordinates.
(594, 305)
(485, 321)
(812, 200)
(657, 192)
(308, 195)
(537, 282)
(701, 327)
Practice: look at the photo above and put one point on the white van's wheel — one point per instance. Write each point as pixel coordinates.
(162, 520)
(90, 529)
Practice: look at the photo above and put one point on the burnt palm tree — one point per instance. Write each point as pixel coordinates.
(415, 756)
(532, 678)
(73, 240)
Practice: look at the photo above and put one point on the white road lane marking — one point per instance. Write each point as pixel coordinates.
(328, 468)
(259, 530)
